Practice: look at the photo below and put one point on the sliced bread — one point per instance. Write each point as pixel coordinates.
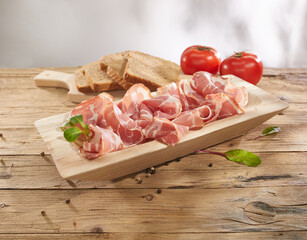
(152, 71)
(81, 82)
(114, 65)
(97, 79)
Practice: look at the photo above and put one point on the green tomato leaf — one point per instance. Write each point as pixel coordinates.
(71, 134)
(270, 130)
(243, 157)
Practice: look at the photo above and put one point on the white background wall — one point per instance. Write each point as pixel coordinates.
(36, 33)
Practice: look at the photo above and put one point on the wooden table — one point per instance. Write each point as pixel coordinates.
(198, 197)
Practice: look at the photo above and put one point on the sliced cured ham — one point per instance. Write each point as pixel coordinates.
(239, 94)
(102, 141)
(225, 106)
(139, 117)
(173, 90)
(165, 131)
(165, 106)
(205, 83)
(169, 89)
(92, 110)
(128, 129)
(195, 118)
(130, 103)
(193, 98)
(145, 116)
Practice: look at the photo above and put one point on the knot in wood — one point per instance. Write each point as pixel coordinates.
(148, 197)
(260, 212)
(97, 230)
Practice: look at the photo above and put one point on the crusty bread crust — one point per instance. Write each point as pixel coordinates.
(81, 82)
(98, 87)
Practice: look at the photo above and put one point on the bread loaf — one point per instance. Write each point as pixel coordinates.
(81, 82)
(152, 71)
(114, 65)
(97, 79)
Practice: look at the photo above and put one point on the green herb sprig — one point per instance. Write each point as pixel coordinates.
(74, 128)
(238, 155)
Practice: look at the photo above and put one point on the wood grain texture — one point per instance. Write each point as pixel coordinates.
(143, 210)
(192, 171)
(225, 201)
(291, 235)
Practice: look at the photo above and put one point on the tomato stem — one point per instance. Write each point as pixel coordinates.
(203, 48)
(240, 54)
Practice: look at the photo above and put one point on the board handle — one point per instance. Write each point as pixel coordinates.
(53, 79)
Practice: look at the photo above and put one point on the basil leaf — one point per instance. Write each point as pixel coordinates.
(71, 134)
(244, 157)
(270, 130)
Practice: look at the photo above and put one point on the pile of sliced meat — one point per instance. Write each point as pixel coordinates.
(139, 117)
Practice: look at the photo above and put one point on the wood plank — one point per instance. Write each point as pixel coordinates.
(289, 84)
(292, 235)
(28, 141)
(288, 139)
(142, 210)
(193, 171)
(30, 72)
(32, 98)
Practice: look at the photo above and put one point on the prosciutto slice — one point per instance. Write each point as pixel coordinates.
(165, 131)
(193, 98)
(239, 94)
(225, 106)
(205, 83)
(92, 109)
(195, 118)
(102, 141)
(130, 103)
(128, 129)
(165, 106)
(173, 90)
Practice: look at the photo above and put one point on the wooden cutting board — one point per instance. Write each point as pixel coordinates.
(71, 165)
(64, 80)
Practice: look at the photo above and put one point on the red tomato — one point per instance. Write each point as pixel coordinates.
(247, 66)
(200, 58)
